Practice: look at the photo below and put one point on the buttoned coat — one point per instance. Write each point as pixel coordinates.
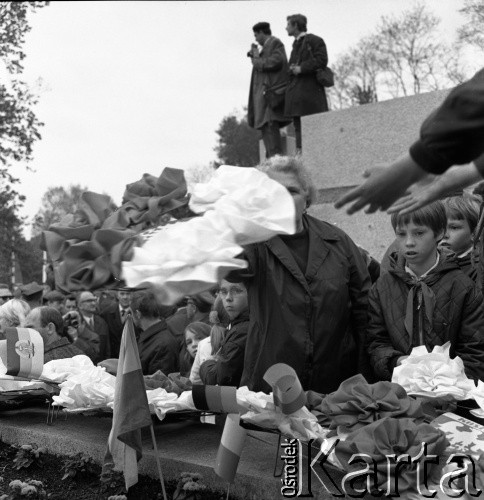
(304, 95)
(314, 322)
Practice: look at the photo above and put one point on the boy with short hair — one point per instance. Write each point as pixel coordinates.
(227, 365)
(462, 218)
(424, 299)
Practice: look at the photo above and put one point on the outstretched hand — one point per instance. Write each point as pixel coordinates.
(383, 187)
(454, 179)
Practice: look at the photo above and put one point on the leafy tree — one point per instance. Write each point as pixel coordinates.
(238, 144)
(19, 129)
(472, 32)
(19, 126)
(56, 203)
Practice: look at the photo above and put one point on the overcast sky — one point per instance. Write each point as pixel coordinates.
(132, 87)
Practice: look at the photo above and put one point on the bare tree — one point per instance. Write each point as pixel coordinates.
(406, 55)
(357, 72)
(472, 32)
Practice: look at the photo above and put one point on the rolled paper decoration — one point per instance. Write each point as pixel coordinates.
(230, 448)
(24, 356)
(216, 398)
(287, 391)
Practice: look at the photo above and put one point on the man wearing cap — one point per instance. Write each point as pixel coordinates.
(32, 294)
(55, 299)
(5, 294)
(87, 304)
(48, 322)
(115, 317)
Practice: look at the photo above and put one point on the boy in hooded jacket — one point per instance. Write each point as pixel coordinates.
(424, 299)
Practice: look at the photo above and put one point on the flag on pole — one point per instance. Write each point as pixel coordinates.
(22, 352)
(230, 448)
(130, 411)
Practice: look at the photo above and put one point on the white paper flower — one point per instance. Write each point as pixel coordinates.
(433, 374)
(241, 205)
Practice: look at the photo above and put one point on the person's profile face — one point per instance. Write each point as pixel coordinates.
(259, 37)
(290, 28)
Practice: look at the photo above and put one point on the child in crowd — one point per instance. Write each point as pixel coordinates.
(424, 299)
(209, 347)
(227, 366)
(194, 333)
(462, 217)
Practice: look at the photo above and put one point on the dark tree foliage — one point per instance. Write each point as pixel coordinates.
(238, 144)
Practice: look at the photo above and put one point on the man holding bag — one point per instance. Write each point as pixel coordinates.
(305, 94)
(267, 88)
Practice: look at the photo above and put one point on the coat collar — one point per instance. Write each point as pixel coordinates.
(154, 329)
(319, 237)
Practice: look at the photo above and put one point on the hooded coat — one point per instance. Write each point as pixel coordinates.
(451, 309)
(313, 321)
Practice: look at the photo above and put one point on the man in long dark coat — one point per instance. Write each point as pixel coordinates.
(304, 95)
(269, 70)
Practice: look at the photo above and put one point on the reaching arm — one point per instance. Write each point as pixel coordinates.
(450, 135)
(454, 179)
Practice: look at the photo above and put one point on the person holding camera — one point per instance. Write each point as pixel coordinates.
(304, 95)
(81, 335)
(267, 87)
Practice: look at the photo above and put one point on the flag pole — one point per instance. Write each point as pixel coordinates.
(162, 481)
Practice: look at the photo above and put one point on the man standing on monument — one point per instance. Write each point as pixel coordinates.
(267, 87)
(304, 95)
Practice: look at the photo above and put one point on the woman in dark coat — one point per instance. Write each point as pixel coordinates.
(307, 296)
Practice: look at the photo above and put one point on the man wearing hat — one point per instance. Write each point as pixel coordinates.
(55, 299)
(269, 72)
(5, 294)
(32, 294)
(115, 316)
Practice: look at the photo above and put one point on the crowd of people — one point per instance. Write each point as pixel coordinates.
(313, 300)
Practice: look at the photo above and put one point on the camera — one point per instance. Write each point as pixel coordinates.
(71, 319)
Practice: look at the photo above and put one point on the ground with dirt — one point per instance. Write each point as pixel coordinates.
(86, 484)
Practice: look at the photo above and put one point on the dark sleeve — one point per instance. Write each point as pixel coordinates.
(318, 55)
(359, 286)
(103, 332)
(208, 372)
(165, 358)
(227, 368)
(453, 134)
(275, 61)
(470, 342)
(383, 356)
(89, 343)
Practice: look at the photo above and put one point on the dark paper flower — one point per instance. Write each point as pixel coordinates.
(389, 437)
(148, 199)
(88, 247)
(357, 403)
